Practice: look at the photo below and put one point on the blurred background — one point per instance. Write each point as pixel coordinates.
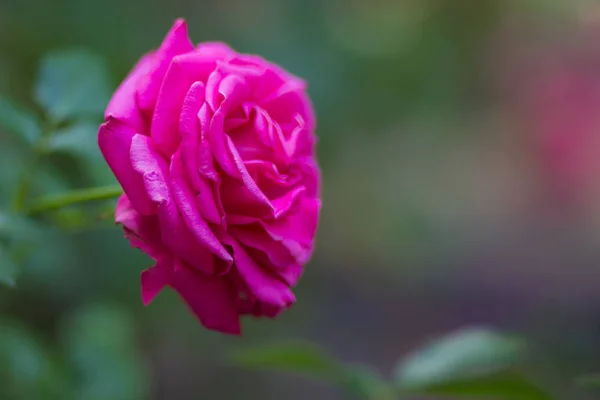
(460, 148)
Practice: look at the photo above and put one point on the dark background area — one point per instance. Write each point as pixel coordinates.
(460, 148)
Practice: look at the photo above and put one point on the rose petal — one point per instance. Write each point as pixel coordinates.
(176, 42)
(174, 231)
(189, 127)
(194, 221)
(154, 279)
(114, 140)
(262, 284)
(123, 105)
(151, 166)
(255, 237)
(180, 76)
(296, 231)
(211, 298)
(142, 231)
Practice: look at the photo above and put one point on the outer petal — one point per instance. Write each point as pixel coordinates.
(142, 231)
(123, 105)
(297, 230)
(211, 298)
(154, 279)
(176, 42)
(114, 139)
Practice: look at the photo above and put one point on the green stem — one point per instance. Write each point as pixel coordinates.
(53, 202)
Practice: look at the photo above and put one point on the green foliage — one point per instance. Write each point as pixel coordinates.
(77, 139)
(8, 269)
(298, 357)
(72, 88)
(19, 122)
(309, 360)
(467, 363)
(470, 362)
(101, 347)
(462, 354)
(28, 369)
(72, 84)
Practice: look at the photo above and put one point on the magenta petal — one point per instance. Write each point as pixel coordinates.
(155, 279)
(115, 139)
(283, 204)
(142, 231)
(296, 231)
(256, 237)
(176, 42)
(261, 283)
(194, 221)
(242, 196)
(152, 167)
(181, 75)
(189, 127)
(174, 232)
(216, 50)
(291, 274)
(176, 235)
(123, 105)
(210, 298)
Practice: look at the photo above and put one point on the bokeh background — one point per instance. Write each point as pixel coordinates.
(460, 148)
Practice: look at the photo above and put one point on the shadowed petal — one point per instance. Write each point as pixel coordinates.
(211, 298)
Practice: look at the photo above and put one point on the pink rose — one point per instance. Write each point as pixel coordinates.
(215, 151)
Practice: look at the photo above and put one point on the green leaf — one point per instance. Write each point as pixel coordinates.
(100, 343)
(365, 383)
(32, 372)
(17, 227)
(19, 122)
(299, 357)
(496, 386)
(311, 361)
(589, 381)
(78, 139)
(72, 84)
(8, 269)
(471, 362)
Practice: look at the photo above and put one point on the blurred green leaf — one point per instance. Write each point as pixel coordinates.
(101, 345)
(364, 382)
(590, 381)
(19, 122)
(510, 386)
(72, 84)
(309, 360)
(470, 362)
(18, 227)
(8, 269)
(26, 366)
(78, 139)
(298, 357)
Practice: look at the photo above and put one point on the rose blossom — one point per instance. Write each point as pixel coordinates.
(215, 151)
